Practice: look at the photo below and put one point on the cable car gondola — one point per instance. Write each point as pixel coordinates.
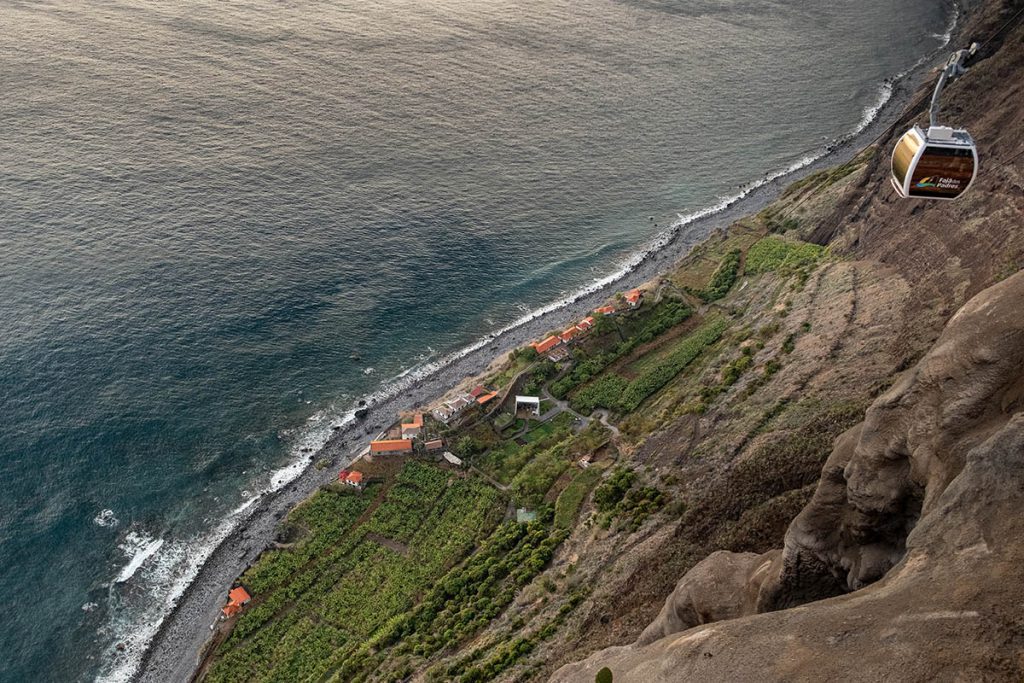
(942, 162)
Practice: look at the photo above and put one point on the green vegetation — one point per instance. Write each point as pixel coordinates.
(545, 430)
(774, 254)
(508, 653)
(318, 618)
(619, 496)
(652, 323)
(567, 506)
(477, 440)
(464, 601)
(534, 480)
(408, 502)
(723, 278)
(321, 520)
(542, 372)
(604, 392)
(613, 392)
(503, 462)
(825, 178)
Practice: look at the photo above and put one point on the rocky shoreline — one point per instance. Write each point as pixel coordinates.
(174, 651)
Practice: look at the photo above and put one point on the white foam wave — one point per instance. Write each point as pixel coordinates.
(139, 547)
(105, 518)
(162, 571)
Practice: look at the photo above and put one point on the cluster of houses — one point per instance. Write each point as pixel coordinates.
(408, 434)
(450, 410)
(556, 347)
(405, 438)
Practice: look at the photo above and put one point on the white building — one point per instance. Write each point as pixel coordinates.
(531, 403)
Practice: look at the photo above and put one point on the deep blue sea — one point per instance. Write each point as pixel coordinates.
(221, 223)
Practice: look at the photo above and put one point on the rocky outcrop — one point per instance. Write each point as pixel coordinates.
(906, 564)
(723, 586)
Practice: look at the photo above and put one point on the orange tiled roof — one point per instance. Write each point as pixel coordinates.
(586, 323)
(569, 334)
(633, 295)
(605, 310)
(486, 397)
(354, 477)
(435, 444)
(417, 422)
(238, 596)
(390, 445)
(546, 345)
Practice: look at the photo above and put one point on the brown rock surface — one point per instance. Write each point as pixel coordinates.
(723, 586)
(924, 495)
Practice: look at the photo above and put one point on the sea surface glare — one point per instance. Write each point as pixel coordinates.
(223, 223)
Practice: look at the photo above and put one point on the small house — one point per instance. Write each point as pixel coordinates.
(450, 457)
(605, 310)
(354, 479)
(634, 297)
(391, 446)
(585, 324)
(558, 354)
(545, 346)
(413, 428)
(434, 445)
(238, 597)
(484, 399)
(569, 334)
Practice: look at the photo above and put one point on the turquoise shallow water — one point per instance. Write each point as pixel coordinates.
(208, 212)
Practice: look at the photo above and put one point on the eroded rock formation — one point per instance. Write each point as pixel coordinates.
(913, 532)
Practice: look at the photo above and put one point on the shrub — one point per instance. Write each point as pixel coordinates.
(723, 278)
(774, 254)
(602, 393)
(661, 374)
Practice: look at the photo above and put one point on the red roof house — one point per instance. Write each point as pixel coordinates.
(633, 297)
(569, 334)
(391, 446)
(586, 324)
(412, 428)
(486, 398)
(237, 598)
(605, 310)
(546, 345)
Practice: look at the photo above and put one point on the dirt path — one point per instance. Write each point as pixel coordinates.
(391, 544)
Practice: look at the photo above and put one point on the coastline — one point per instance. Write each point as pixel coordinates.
(174, 651)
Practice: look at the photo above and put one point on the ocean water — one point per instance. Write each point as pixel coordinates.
(222, 223)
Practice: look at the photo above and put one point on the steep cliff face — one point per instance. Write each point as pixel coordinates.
(904, 564)
(918, 507)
